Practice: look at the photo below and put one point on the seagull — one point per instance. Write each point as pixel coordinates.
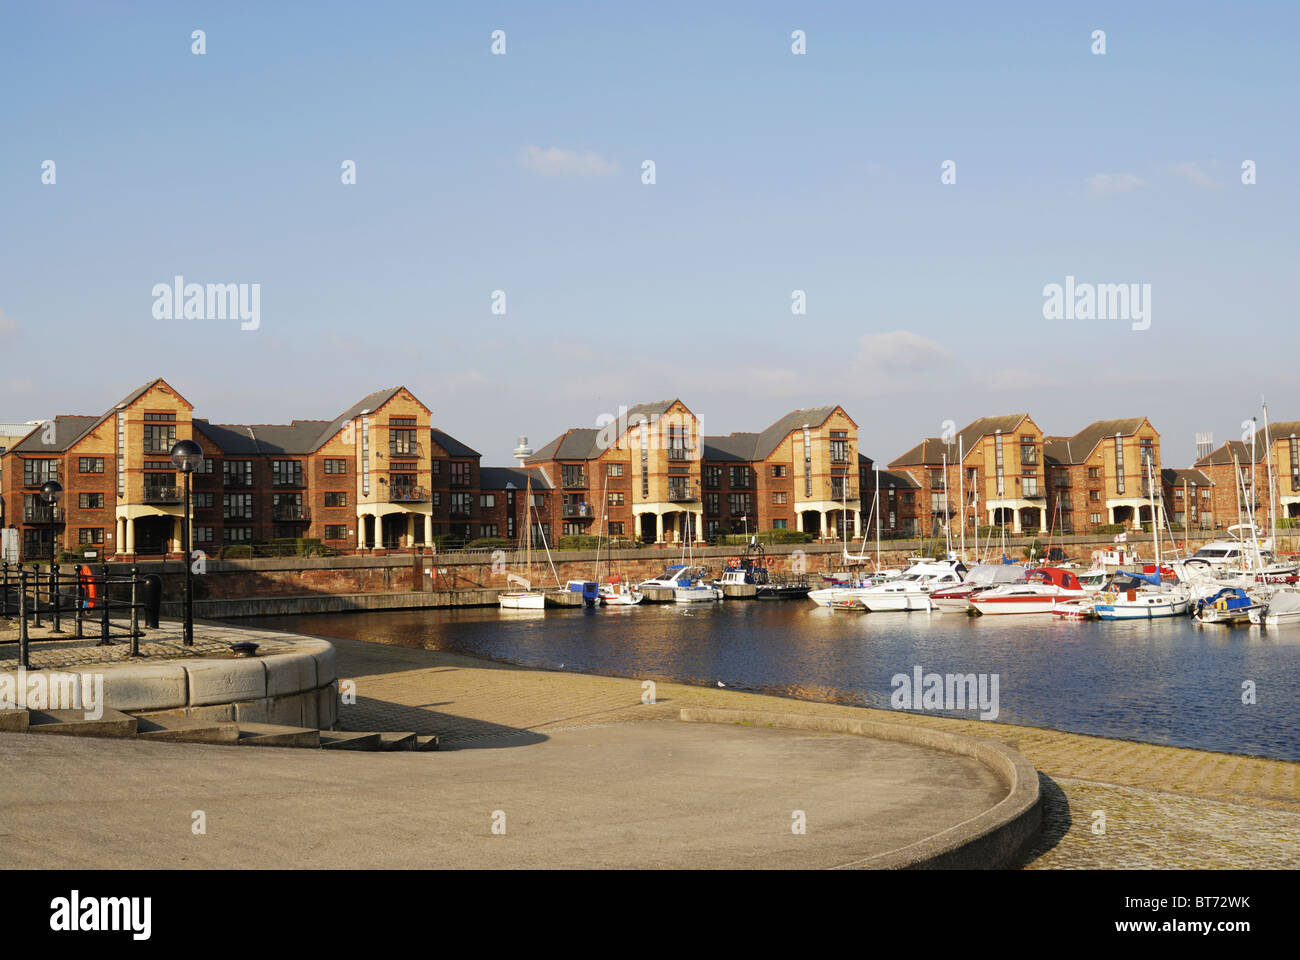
(721, 684)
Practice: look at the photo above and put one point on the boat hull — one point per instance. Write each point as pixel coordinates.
(521, 601)
(1140, 611)
(1016, 605)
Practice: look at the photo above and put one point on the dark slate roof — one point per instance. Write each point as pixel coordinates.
(1082, 444)
(369, 403)
(501, 478)
(736, 447)
(647, 411)
(297, 438)
(1224, 454)
(931, 450)
(771, 438)
(1175, 478)
(898, 478)
(580, 443)
(67, 431)
(453, 446)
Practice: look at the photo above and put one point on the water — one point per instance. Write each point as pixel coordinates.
(1164, 681)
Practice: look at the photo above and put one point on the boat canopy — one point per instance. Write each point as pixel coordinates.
(1053, 575)
(987, 574)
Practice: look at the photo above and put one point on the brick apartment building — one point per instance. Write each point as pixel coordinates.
(376, 476)
(995, 463)
(1102, 475)
(1231, 493)
(1188, 498)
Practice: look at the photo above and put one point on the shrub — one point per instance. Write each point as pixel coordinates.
(237, 551)
(488, 543)
(766, 537)
(577, 542)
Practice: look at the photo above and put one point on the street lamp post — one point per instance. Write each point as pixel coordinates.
(51, 493)
(187, 456)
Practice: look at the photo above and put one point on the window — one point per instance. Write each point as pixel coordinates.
(204, 501)
(336, 465)
(615, 470)
(839, 446)
(36, 472)
(237, 534)
(1119, 464)
(90, 535)
(459, 473)
(615, 499)
(778, 470)
(1178, 493)
(90, 501)
(336, 531)
(1094, 518)
(538, 500)
(739, 504)
(286, 473)
(462, 504)
(571, 529)
(616, 529)
(237, 506)
(90, 465)
(435, 498)
(997, 459)
(487, 500)
(740, 477)
(488, 530)
(1094, 495)
(336, 498)
(1094, 473)
(435, 468)
(203, 535)
(1029, 485)
(573, 475)
(237, 473)
(159, 465)
(712, 504)
(159, 438)
(712, 477)
(778, 524)
(778, 497)
(205, 467)
(402, 442)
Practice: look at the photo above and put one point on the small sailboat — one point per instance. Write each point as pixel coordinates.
(526, 598)
(1229, 605)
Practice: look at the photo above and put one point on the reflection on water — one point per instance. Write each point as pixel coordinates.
(1163, 681)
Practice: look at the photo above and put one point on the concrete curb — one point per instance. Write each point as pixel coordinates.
(993, 839)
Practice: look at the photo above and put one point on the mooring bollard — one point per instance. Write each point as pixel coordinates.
(102, 599)
(22, 618)
(54, 595)
(135, 612)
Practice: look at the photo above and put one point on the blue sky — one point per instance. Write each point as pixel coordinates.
(775, 172)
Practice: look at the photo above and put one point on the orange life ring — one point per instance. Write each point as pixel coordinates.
(88, 589)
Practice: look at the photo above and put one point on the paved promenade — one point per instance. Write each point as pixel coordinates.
(1163, 806)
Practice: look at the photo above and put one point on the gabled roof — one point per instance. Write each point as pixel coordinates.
(736, 447)
(1225, 453)
(1078, 448)
(453, 446)
(931, 451)
(767, 441)
(1176, 478)
(580, 443)
(504, 478)
(898, 478)
(67, 431)
(368, 404)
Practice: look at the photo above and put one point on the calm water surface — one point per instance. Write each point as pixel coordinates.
(1164, 681)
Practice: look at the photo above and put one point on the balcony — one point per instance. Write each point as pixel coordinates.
(578, 510)
(401, 493)
(163, 494)
(163, 446)
(680, 493)
(1029, 457)
(237, 481)
(405, 449)
(40, 513)
(294, 512)
(1032, 493)
(844, 492)
(575, 481)
(678, 453)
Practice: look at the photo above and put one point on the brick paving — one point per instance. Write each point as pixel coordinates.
(1165, 806)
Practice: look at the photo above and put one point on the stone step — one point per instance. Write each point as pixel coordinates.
(349, 740)
(398, 741)
(73, 723)
(426, 742)
(186, 730)
(277, 735)
(13, 720)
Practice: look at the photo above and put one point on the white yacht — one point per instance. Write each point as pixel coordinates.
(912, 590)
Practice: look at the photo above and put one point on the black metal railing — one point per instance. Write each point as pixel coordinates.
(578, 510)
(402, 493)
(40, 513)
(163, 494)
(289, 511)
(27, 593)
(409, 448)
(574, 481)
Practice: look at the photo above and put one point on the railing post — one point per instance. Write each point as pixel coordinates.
(36, 597)
(22, 618)
(4, 589)
(79, 599)
(103, 605)
(54, 595)
(135, 612)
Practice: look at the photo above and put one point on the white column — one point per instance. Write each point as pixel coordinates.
(130, 535)
(699, 526)
(1110, 512)
(1015, 520)
(822, 515)
(361, 531)
(428, 529)
(1042, 519)
(659, 526)
(410, 530)
(857, 524)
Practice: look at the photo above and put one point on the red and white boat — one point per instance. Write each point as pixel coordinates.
(1039, 592)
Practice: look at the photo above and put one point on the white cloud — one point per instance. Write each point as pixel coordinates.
(1193, 174)
(7, 326)
(1106, 184)
(557, 162)
(899, 351)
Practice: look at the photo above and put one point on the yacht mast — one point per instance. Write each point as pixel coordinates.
(947, 526)
(961, 494)
(877, 506)
(1272, 499)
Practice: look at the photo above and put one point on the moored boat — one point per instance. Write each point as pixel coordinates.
(1039, 592)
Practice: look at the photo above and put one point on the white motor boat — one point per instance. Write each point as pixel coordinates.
(620, 594)
(696, 592)
(982, 576)
(522, 600)
(1280, 609)
(1039, 592)
(842, 594)
(912, 590)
